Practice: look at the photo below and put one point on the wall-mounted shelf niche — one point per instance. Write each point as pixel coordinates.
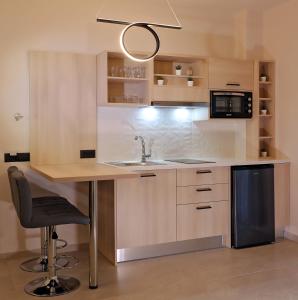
(261, 129)
(122, 82)
(266, 90)
(175, 87)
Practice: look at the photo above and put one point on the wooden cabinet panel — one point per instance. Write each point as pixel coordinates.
(202, 220)
(146, 209)
(230, 74)
(180, 94)
(200, 176)
(203, 193)
(62, 106)
(282, 197)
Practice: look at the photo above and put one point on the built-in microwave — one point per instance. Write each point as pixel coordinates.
(225, 104)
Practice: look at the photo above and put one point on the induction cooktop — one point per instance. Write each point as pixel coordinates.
(189, 161)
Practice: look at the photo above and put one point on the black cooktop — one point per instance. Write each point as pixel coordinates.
(189, 161)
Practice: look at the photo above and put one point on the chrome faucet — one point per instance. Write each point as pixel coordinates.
(144, 155)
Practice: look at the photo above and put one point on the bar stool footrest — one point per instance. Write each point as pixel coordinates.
(43, 287)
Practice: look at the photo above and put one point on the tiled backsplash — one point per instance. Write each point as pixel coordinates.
(171, 132)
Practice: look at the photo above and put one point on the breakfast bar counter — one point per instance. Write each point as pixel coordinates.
(91, 173)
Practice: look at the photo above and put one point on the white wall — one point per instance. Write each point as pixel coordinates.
(69, 25)
(281, 44)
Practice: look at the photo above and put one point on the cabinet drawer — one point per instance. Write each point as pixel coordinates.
(202, 220)
(202, 193)
(200, 176)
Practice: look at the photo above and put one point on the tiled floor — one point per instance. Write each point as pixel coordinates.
(261, 273)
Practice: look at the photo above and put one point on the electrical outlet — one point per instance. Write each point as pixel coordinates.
(87, 153)
(16, 157)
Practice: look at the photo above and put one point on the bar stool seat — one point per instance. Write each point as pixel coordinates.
(45, 212)
(40, 264)
(61, 213)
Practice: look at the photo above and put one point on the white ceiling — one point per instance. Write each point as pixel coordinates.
(224, 7)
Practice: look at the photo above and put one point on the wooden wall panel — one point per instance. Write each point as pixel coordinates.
(62, 106)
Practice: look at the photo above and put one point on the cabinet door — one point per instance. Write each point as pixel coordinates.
(146, 209)
(62, 106)
(282, 197)
(202, 220)
(180, 94)
(231, 74)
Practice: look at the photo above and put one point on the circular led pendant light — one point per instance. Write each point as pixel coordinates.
(145, 25)
(130, 55)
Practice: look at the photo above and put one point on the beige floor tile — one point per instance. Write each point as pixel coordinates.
(260, 273)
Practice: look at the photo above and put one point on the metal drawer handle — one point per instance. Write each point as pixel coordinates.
(204, 207)
(204, 172)
(148, 175)
(233, 84)
(204, 190)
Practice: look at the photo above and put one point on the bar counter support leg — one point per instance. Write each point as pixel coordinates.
(93, 238)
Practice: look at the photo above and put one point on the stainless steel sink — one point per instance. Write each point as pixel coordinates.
(135, 163)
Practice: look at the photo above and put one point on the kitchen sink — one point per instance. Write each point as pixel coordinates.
(135, 163)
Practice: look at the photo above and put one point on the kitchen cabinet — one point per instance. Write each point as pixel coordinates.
(200, 176)
(282, 197)
(203, 203)
(121, 82)
(62, 106)
(175, 87)
(146, 209)
(230, 74)
(203, 193)
(202, 220)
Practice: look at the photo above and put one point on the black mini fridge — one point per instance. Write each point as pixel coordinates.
(252, 205)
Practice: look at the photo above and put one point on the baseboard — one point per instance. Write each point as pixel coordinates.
(291, 235)
(169, 248)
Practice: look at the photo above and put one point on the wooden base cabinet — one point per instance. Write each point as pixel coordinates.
(282, 197)
(146, 209)
(202, 220)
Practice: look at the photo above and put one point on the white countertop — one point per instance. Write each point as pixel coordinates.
(217, 163)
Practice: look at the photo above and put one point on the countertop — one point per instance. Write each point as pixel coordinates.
(82, 172)
(216, 163)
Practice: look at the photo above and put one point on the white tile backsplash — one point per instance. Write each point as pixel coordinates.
(172, 132)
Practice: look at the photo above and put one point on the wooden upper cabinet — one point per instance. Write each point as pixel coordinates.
(121, 81)
(228, 74)
(62, 106)
(175, 87)
(146, 209)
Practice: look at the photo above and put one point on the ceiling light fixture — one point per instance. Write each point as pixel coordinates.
(144, 25)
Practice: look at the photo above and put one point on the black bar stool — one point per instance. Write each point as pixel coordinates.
(40, 264)
(54, 211)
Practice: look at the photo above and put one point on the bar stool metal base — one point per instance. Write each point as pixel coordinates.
(39, 265)
(43, 287)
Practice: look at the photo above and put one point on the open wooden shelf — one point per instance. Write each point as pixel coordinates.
(126, 79)
(265, 99)
(261, 128)
(180, 76)
(175, 87)
(265, 82)
(121, 90)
